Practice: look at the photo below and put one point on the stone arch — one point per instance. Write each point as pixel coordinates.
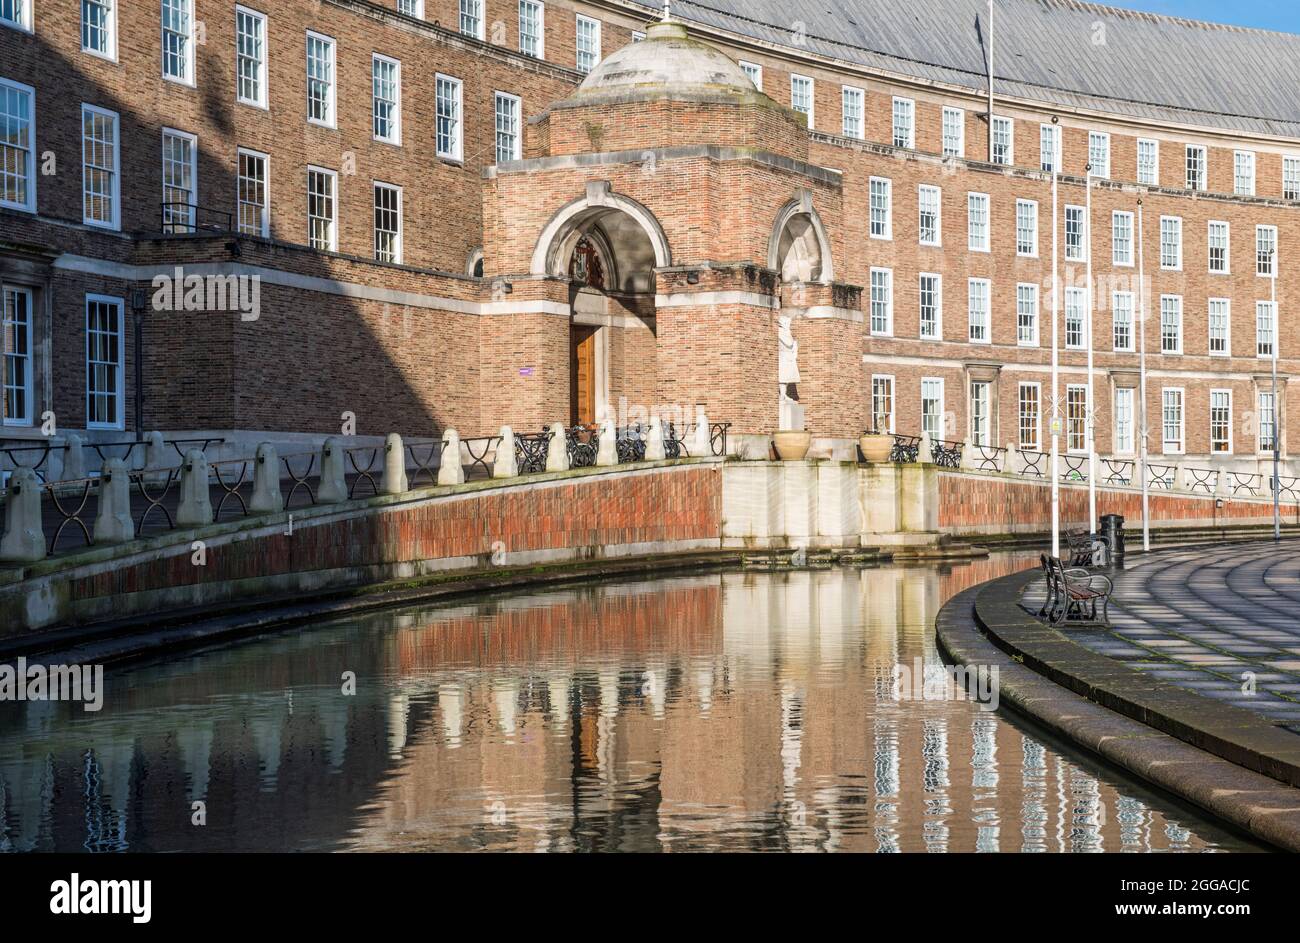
(628, 232)
(474, 264)
(800, 248)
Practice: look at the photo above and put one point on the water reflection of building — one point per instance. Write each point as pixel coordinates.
(743, 710)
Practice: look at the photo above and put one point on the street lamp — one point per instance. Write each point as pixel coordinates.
(1274, 262)
(1142, 385)
(1054, 423)
(1090, 427)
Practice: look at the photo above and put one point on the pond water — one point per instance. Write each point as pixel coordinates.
(736, 711)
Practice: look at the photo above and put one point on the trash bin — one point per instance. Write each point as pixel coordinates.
(1112, 528)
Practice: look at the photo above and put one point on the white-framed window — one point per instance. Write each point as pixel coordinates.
(104, 392)
(1265, 329)
(322, 209)
(954, 132)
(1076, 313)
(1267, 421)
(979, 292)
(320, 79)
(1148, 162)
(638, 36)
(1196, 163)
(1265, 251)
(981, 409)
(532, 28)
(250, 57)
(388, 222)
(853, 99)
(1027, 228)
(1075, 242)
(1049, 147)
(98, 27)
(932, 415)
(254, 193)
(1004, 140)
(882, 302)
(1291, 178)
(904, 123)
(1219, 240)
(1171, 324)
(1076, 418)
(508, 112)
(1099, 153)
(588, 43)
(1171, 409)
(1220, 317)
(16, 13)
(1121, 235)
(1171, 243)
(180, 180)
(1243, 173)
(1029, 412)
(413, 8)
(471, 18)
(101, 177)
(449, 110)
(19, 387)
(1121, 308)
(754, 71)
(178, 40)
(882, 208)
(801, 96)
(977, 222)
(1027, 315)
(930, 201)
(386, 99)
(1124, 441)
(17, 146)
(882, 403)
(1221, 422)
(931, 306)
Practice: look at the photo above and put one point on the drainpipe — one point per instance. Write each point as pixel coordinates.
(990, 128)
(137, 313)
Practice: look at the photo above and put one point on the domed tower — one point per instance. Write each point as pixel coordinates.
(640, 252)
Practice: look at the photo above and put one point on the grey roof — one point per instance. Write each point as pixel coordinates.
(1066, 52)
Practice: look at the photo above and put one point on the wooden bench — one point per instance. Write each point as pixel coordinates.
(1074, 595)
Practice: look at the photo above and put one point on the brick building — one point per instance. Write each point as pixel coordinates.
(462, 213)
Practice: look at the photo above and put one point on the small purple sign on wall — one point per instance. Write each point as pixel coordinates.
(526, 371)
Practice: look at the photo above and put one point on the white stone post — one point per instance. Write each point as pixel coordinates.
(1221, 488)
(607, 454)
(333, 488)
(395, 481)
(113, 524)
(155, 452)
(24, 539)
(451, 471)
(196, 498)
(507, 463)
(968, 455)
(267, 497)
(557, 452)
(1010, 463)
(702, 445)
(925, 453)
(74, 459)
(654, 443)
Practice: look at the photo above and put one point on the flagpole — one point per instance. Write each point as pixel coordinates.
(1142, 343)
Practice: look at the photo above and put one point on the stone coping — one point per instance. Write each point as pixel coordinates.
(1256, 803)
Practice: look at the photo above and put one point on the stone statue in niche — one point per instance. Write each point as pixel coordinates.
(792, 413)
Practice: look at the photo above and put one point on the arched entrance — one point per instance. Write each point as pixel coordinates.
(608, 246)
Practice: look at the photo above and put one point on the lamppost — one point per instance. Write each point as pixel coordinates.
(1142, 385)
(1274, 261)
(1090, 427)
(1054, 423)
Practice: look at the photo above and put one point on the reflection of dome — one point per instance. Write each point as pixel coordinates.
(666, 61)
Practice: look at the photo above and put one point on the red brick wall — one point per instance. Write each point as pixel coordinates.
(983, 504)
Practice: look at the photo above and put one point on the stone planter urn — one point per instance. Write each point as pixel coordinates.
(876, 447)
(792, 446)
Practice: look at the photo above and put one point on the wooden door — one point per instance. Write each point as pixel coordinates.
(582, 374)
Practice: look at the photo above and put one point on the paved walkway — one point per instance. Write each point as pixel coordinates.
(1209, 618)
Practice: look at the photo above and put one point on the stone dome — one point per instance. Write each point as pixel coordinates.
(667, 62)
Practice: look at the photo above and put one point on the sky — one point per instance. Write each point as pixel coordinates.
(1283, 15)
